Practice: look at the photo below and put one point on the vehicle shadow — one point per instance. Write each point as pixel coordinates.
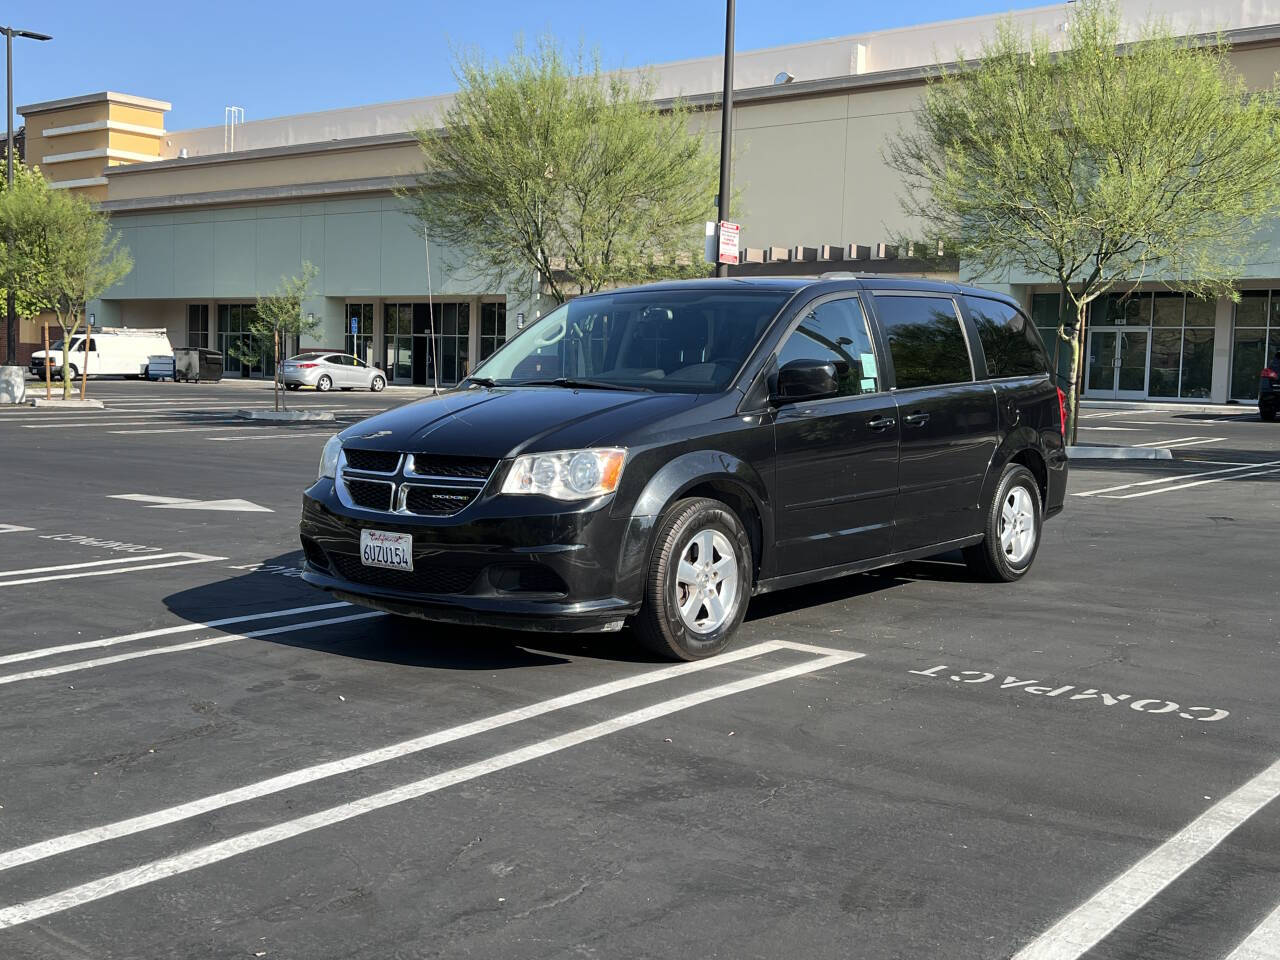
(275, 585)
(946, 568)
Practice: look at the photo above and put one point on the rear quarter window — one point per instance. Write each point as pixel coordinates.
(1010, 341)
(926, 341)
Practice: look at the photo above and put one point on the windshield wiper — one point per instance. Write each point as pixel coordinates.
(483, 381)
(574, 383)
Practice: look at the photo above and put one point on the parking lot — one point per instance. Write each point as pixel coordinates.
(907, 764)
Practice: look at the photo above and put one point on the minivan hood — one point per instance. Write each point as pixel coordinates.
(500, 422)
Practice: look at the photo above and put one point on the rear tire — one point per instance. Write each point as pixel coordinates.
(699, 581)
(1012, 529)
(1267, 413)
(325, 383)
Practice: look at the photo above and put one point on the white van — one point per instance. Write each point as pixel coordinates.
(113, 351)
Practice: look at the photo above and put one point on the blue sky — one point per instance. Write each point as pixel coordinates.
(283, 56)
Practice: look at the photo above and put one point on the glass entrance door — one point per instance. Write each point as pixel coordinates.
(1118, 363)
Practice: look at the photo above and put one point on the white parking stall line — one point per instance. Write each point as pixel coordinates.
(42, 672)
(14, 528)
(167, 867)
(1080, 930)
(1109, 413)
(115, 423)
(1174, 479)
(191, 429)
(276, 436)
(164, 632)
(1263, 943)
(1180, 442)
(333, 768)
(113, 566)
(1116, 429)
(1187, 486)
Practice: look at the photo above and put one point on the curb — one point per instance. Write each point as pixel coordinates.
(40, 403)
(284, 416)
(1244, 406)
(1119, 453)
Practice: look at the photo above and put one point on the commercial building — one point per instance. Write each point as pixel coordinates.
(216, 216)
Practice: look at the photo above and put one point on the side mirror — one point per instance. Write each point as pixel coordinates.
(806, 380)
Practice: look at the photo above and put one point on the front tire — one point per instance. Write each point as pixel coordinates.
(378, 384)
(699, 581)
(1011, 530)
(1267, 412)
(325, 383)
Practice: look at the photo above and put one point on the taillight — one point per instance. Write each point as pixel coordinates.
(308, 366)
(1062, 411)
(1269, 374)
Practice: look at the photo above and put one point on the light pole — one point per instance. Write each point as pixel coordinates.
(726, 130)
(11, 319)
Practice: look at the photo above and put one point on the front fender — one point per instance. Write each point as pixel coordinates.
(676, 478)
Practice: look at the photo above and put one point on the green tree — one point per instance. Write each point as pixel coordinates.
(277, 317)
(24, 241)
(546, 171)
(1097, 165)
(80, 258)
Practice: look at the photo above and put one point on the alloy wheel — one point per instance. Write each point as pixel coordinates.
(707, 581)
(1017, 525)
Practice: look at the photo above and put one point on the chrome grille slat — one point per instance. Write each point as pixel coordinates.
(451, 485)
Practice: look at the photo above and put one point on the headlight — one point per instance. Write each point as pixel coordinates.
(329, 457)
(567, 474)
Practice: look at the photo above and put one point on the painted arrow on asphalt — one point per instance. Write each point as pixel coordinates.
(185, 503)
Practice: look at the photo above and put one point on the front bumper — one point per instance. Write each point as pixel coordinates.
(514, 562)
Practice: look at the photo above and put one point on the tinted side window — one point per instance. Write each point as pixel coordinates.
(836, 331)
(925, 340)
(1011, 343)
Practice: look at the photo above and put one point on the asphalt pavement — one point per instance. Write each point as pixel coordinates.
(202, 757)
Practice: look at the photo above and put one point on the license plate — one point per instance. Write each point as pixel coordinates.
(393, 551)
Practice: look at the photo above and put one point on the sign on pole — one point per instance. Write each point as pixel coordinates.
(709, 244)
(729, 235)
(92, 320)
(355, 325)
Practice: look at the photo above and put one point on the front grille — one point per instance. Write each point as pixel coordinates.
(471, 468)
(436, 501)
(370, 494)
(429, 578)
(378, 461)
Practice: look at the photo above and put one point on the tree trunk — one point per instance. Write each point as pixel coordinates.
(1073, 387)
(66, 369)
(275, 368)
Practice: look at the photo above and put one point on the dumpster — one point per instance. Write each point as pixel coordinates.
(197, 363)
(160, 367)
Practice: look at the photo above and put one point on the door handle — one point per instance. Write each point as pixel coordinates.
(881, 423)
(916, 419)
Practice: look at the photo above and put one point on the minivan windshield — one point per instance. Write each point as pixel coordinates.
(676, 341)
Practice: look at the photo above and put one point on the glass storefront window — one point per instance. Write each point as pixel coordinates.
(1166, 349)
(361, 343)
(1168, 310)
(1249, 341)
(493, 327)
(234, 327)
(1248, 356)
(197, 325)
(1197, 363)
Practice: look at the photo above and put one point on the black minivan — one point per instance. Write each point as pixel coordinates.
(661, 454)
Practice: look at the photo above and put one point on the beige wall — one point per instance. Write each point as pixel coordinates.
(318, 167)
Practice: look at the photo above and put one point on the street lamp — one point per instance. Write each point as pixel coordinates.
(11, 319)
(726, 131)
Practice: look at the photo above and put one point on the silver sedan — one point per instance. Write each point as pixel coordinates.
(329, 371)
